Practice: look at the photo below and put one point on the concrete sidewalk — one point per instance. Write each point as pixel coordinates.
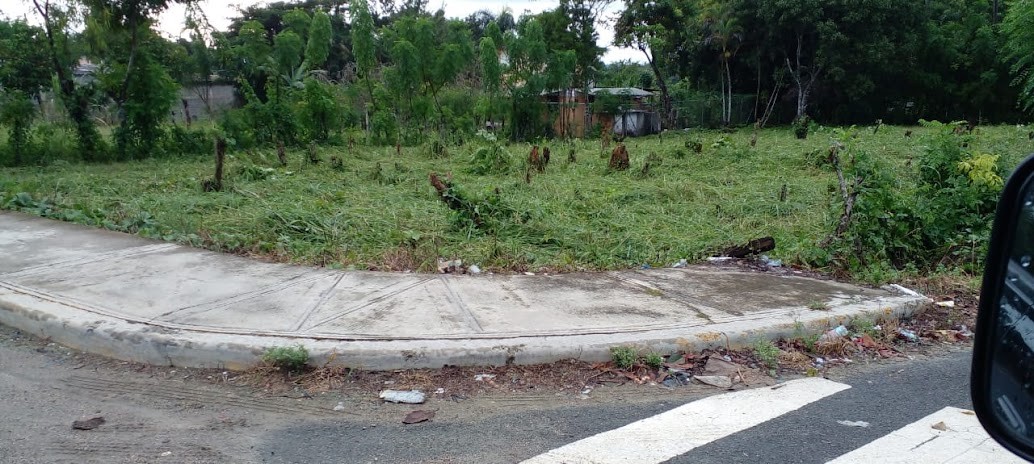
(135, 299)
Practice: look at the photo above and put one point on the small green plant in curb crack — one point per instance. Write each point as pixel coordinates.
(288, 358)
(818, 306)
(767, 353)
(624, 357)
(654, 360)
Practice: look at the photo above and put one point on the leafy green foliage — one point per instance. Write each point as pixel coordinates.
(766, 352)
(17, 112)
(490, 158)
(945, 217)
(1018, 30)
(654, 360)
(288, 358)
(573, 217)
(321, 111)
(624, 357)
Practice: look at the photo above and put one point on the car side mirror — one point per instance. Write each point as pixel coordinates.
(1002, 382)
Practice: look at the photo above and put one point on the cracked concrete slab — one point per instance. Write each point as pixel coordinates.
(161, 303)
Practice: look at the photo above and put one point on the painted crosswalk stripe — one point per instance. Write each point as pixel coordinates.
(671, 433)
(962, 440)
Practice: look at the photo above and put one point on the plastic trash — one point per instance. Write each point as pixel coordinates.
(908, 334)
(474, 269)
(483, 377)
(340, 406)
(681, 264)
(862, 424)
(407, 397)
(832, 334)
(771, 262)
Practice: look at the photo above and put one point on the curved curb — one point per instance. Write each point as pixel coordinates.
(153, 343)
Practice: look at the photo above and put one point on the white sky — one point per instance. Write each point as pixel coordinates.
(219, 13)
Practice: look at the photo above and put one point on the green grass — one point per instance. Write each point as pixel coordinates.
(378, 211)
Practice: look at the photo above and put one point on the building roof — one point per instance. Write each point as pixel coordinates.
(630, 91)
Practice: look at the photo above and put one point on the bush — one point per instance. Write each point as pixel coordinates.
(181, 141)
(801, 126)
(945, 217)
(289, 358)
(625, 357)
(490, 158)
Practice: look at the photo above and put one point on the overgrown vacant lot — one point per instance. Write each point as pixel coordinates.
(378, 210)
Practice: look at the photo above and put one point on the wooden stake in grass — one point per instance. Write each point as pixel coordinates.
(571, 157)
(619, 158)
(398, 149)
(545, 159)
(281, 152)
(216, 185)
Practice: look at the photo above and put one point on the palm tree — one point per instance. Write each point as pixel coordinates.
(726, 36)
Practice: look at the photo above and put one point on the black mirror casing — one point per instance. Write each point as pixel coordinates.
(992, 359)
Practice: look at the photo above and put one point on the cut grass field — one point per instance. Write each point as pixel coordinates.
(377, 210)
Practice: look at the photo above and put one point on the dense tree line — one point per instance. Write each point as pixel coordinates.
(312, 70)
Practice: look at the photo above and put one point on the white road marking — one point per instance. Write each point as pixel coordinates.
(963, 440)
(671, 433)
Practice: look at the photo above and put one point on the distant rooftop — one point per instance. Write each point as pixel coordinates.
(630, 91)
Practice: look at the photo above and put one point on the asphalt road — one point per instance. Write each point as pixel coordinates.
(169, 415)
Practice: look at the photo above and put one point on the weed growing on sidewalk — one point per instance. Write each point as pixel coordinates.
(287, 358)
(767, 353)
(624, 357)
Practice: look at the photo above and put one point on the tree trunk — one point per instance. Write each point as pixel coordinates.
(665, 100)
(803, 88)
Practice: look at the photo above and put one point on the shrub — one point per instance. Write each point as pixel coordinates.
(289, 358)
(654, 360)
(767, 353)
(624, 357)
(946, 216)
(801, 126)
(182, 141)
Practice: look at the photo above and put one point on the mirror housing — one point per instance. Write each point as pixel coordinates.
(1002, 379)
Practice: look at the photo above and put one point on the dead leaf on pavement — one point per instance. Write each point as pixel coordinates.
(418, 416)
(940, 426)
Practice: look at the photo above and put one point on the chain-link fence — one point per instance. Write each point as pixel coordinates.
(706, 111)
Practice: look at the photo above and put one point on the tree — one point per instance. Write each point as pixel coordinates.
(56, 22)
(797, 26)
(1018, 29)
(528, 57)
(317, 48)
(724, 34)
(131, 74)
(660, 29)
(298, 15)
(571, 26)
(363, 44)
(491, 72)
(24, 73)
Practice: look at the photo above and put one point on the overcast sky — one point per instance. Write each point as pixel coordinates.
(219, 13)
